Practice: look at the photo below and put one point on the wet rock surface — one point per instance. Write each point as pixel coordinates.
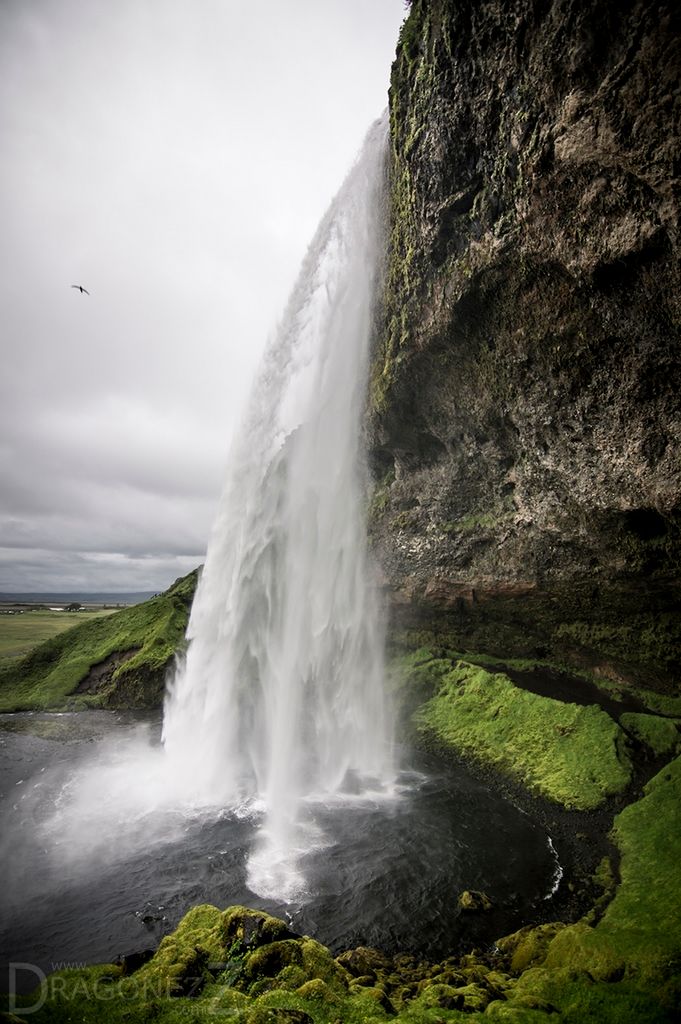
(526, 415)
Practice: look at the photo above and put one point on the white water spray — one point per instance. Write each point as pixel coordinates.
(281, 694)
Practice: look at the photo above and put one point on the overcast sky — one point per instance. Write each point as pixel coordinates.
(174, 158)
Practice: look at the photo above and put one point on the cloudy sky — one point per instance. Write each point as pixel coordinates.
(174, 158)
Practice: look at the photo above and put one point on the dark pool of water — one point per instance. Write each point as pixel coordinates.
(388, 874)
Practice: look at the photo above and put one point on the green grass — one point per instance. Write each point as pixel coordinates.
(47, 677)
(659, 734)
(660, 702)
(625, 970)
(20, 633)
(657, 703)
(643, 921)
(645, 638)
(571, 754)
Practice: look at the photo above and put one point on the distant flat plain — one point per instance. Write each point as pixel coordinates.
(23, 629)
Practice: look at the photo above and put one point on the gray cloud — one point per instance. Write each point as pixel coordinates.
(174, 157)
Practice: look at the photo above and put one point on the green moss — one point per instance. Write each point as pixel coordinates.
(409, 40)
(528, 946)
(404, 520)
(659, 734)
(642, 921)
(574, 755)
(575, 998)
(662, 703)
(625, 968)
(189, 977)
(181, 961)
(477, 521)
(652, 639)
(414, 678)
(380, 499)
(604, 878)
(48, 676)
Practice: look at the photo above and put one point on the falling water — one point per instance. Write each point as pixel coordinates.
(280, 697)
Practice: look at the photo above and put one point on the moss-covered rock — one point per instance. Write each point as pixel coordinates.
(660, 734)
(528, 946)
(627, 963)
(571, 754)
(642, 921)
(471, 901)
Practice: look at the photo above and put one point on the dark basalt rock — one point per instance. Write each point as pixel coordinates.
(526, 388)
(472, 902)
(131, 962)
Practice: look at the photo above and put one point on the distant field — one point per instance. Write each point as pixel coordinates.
(20, 633)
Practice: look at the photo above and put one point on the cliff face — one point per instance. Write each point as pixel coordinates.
(525, 420)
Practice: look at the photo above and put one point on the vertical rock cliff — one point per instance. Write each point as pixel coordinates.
(525, 419)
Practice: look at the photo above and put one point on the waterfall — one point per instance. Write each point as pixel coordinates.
(280, 697)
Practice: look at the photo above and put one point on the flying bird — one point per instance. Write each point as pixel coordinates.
(80, 288)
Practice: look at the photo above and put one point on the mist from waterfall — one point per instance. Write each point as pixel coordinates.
(280, 697)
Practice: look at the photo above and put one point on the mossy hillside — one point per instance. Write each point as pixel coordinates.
(659, 734)
(530, 632)
(661, 703)
(413, 678)
(626, 967)
(154, 630)
(574, 755)
(643, 922)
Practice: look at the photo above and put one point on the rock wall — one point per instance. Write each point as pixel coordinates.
(525, 397)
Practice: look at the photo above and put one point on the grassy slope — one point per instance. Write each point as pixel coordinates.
(47, 677)
(626, 968)
(19, 634)
(574, 755)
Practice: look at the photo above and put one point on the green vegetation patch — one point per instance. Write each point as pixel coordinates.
(476, 521)
(574, 755)
(415, 677)
(245, 966)
(237, 964)
(649, 639)
(643, 921)
(660, 734)
(150, 632)
(626, 968)
(20, 632)
(662, 703)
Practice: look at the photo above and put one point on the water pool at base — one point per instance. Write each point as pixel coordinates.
(92, 869)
